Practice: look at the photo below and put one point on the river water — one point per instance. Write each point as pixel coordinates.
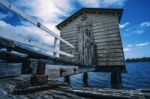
(137, 77)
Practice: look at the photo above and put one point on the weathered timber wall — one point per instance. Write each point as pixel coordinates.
(105, 29)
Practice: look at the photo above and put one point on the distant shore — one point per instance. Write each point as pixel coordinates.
(144, 59)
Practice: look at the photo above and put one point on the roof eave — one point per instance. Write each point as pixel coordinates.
(84, 10)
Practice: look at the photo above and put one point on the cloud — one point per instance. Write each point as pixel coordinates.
(139, 31)
(51, 10)
(142, 44)
(135, 29)
(137, 50)
(102, 3)
(124, 25)
(2, 16)
(118, 3)
(90, 3)
(130, 45)
(25, 33)
(145, 24)
(127, 49)
(50, 13)
(135, 46)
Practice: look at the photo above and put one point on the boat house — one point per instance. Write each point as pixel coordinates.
(96, 36)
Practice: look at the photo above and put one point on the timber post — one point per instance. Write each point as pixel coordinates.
(55, 46)
(116, 80)
(39, 77)
(85, 79)
(26, 69)
(67, 79)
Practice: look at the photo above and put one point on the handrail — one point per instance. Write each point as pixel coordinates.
(14, 9)
(35, 45)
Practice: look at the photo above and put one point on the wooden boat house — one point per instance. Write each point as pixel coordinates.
(96, 36)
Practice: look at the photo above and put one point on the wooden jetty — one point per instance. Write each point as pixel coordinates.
(90, 41)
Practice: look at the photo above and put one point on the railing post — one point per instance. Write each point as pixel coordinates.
(55, 46)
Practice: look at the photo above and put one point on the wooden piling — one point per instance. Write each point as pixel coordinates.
(116, 80)
(26, 69)
(67, 79)
(85, 79)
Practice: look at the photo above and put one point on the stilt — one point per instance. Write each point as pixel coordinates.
(39, 76)
(55, 46)
(40, 68)
(67, 79)
(26, 69)
(85, 79)
(116, 80)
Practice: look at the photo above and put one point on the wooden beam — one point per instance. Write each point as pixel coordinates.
(14, 45)
(11, 57)
(22, 48)
(54, 71)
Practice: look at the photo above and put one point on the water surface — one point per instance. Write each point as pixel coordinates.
(137, 76)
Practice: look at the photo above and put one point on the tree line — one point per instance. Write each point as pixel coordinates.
(144, 59)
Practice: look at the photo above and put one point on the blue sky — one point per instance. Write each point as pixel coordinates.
(134, 26)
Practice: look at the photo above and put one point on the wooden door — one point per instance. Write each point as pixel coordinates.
(85, 44)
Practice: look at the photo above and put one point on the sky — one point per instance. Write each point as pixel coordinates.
(134, 25)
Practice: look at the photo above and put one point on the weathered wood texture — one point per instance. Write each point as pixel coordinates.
(10, 69)
(106, 36)
(54, 71)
